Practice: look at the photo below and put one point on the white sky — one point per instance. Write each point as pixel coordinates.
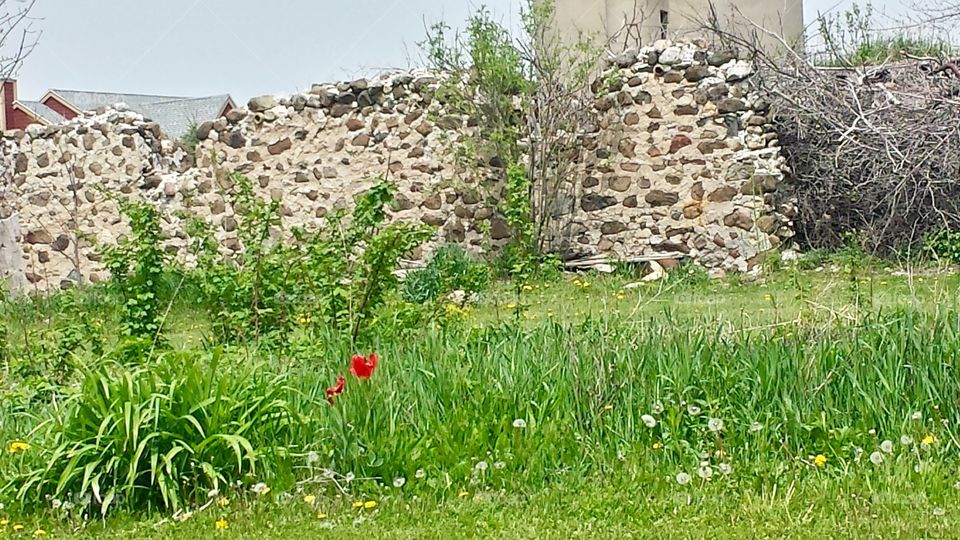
(241, 47)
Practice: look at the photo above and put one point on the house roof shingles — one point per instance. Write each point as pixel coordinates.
(42, 111)
(174, 114)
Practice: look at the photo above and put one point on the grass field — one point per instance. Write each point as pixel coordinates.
(805, 403)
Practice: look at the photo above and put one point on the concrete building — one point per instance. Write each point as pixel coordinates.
(640, 22)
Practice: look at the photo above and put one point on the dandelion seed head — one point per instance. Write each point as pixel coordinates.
(649, 421)
(887, 446)
(876, 458)
(683, 478)
(715, 425)
(519, 423)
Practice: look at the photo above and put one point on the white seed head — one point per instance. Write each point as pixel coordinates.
(649, 421)
(887, 446)
(683, 478)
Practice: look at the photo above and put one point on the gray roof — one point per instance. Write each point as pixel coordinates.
(174, 114)
(43, 111)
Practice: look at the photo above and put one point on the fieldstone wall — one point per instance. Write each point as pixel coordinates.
(679, 162)
(683, 162)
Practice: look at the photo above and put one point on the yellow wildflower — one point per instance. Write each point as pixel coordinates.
(511, 306)
(223, 502)
(17, 528)
(309, 499)
(527, 288)
(928, 440)
(321, 515)
(820, 460)
(221, 524)
(39, 532)
(370, 505)
(657, 445)
(358, 504)
(464, 494)
(18, 446)
(4, 522)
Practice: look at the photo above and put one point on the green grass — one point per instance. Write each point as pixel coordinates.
(828, 362)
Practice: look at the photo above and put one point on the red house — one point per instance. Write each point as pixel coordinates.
(174, 114)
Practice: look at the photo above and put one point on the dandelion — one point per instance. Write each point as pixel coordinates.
(519, 423)
(917, 416)
(4, 522)
(649, 421)
(887, 446)
(370, 505)
(705, 471)
(511, 306)
(358, 504)
(260, 488)
(820, 460)
(223, 502)
(715, 425)
(755, 427)
(876, 458)
(221, 524)
(480, 467)
(657, 407)
(906, 440)
(349, 477)
(870, 431)
(725, 468)
(928, 440)
(657, 445)
(420, 474)
(18, 446)
(464, 494)
(39, 532)
(310, 499)
(939, 511)
(683, 478)
(693, 410)
(321, 515)
(312, 457)
(17, 528)
(56, 504)
(527, 288)
(399, 482)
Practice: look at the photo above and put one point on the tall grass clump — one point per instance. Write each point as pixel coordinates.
(160, 436)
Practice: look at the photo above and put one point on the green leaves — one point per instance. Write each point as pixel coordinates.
(162, 434)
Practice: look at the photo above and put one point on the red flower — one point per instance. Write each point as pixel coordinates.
(337, 389)
(363, 367)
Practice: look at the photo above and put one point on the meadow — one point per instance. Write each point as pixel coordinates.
(818, 399)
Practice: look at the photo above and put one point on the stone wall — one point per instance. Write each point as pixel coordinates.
(679, 162)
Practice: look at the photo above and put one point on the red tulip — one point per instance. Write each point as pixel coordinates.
(363, 367)
(337, 389)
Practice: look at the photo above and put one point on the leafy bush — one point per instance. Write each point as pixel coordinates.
(136, 265)
(340, 275)
(944, 244)
(449, 269)
(163, 435)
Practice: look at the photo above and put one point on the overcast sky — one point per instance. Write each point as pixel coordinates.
(241, 47)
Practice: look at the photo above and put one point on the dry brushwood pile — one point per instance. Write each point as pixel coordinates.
(875, 150)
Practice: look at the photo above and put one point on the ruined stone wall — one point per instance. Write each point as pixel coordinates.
(679, 162)
(683, 162)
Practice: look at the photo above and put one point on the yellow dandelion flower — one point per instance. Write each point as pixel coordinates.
(39, 532)
(358, 504)
(928, 440)
(18, 446)
(17, 528)
(321, 515)
(464, 494)
(309, 499)
(223, 502)
(4, 522)
(370, 505)
(820, 460)
(221, 524)
(527, 288)
(657, 445)
(608, 408)
(511, 306)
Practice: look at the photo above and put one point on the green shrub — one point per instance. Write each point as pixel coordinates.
(161, 436)
(944, 244)
(449, 269)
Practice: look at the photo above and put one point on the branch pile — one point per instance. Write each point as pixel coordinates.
(875, 151)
